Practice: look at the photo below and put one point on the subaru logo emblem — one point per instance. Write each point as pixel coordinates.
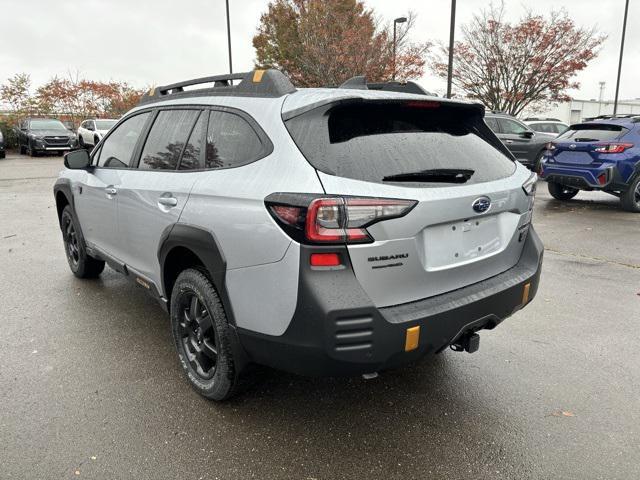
(572, 146)
(481, 205)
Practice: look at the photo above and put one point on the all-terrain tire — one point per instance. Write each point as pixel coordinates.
(80, 262)
(200, 328)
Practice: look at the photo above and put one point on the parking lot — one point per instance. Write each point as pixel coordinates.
(90, 386)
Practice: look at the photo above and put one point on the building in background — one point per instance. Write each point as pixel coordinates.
(576, 111)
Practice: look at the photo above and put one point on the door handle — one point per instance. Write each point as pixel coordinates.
(111, 191)
(168, 201)
(508, 141)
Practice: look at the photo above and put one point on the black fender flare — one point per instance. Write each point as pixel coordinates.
(63, 185)
(206, 247)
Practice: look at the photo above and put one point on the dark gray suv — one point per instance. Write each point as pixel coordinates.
(527, 145)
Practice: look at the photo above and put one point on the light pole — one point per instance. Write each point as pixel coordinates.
(624, 30)
(451, 37)
(229, 38)
(395, 22)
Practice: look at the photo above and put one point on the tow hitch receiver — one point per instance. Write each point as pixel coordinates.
(467, 343)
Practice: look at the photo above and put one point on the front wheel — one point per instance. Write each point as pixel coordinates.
(630, 199)
(561, 192)
(202, 336)
(80, 262)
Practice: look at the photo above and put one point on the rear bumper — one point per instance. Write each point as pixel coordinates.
(337, 331)
(585, 178)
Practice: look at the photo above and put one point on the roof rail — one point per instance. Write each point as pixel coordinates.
(360, 83)
(258, 83)
(609, 117)
(542, 119)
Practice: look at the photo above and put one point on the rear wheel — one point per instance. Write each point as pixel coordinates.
(81, 264)
(202, 336)
(631, 198)
(81, 142)
(561, 192)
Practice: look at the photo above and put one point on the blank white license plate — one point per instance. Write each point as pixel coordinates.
(463, 241)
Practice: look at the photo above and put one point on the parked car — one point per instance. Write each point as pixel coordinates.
(552, 126)
(2, 147)
(603, 154)
(91, 131)
(525, 144)
(42, 135)
(319, 231)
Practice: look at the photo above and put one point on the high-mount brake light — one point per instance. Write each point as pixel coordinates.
(423, 104)
(332, 220)
(611, 147)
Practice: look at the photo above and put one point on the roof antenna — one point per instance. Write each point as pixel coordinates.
(358, 83)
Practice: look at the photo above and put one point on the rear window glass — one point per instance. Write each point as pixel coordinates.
(371, 140)
(593, 133)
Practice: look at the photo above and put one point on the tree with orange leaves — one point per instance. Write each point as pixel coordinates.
(325, 42)
(510, 67)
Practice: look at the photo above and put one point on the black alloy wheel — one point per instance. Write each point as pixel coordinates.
(198, 335)
(71, 243)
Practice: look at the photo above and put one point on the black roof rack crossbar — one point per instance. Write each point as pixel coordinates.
(360, 83)
(257, 83)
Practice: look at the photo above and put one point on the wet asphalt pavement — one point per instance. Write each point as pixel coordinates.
(90, 386)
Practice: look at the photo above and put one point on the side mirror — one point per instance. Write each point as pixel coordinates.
(528, 134)
(77, 160)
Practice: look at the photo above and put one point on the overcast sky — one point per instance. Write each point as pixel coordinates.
(154, 42)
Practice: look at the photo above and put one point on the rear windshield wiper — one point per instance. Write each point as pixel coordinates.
(443, 175)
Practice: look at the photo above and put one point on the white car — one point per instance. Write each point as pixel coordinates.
(91, 132)
(546, 125)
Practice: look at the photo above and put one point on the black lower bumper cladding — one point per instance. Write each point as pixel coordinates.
(337, 331)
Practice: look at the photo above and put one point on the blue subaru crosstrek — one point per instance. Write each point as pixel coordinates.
(600, 154)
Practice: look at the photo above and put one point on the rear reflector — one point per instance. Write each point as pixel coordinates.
(325, 260)
(602, 178)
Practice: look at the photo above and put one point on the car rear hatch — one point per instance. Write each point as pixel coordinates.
(584, 144)
(470, 215)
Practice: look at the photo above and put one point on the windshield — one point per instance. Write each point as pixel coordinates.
(105, 124)
(589, 132)
(382, 142)
(46, 124)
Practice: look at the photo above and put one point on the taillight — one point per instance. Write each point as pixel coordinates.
(611, 147)
(326, 220)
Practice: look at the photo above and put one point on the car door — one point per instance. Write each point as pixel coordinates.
(152, 196)
(517, 137)
(96, 194)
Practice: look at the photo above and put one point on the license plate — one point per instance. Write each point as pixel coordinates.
(462, 242)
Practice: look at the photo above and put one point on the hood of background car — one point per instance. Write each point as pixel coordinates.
(52, 133)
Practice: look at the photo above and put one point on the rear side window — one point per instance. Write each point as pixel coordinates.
(167, 139)
(117, 149)
(492, 123)
(192, 155)
(372, 141)
(589, 132)
(511, 126)
(231, 141)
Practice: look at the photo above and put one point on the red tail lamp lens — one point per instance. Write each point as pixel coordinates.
(325, 260)
(612, 147)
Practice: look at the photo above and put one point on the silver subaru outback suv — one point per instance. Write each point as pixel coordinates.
(321, 231)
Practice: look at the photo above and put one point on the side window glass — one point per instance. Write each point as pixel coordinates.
(492, 124)
(231, 141)
(511, 127)
(167, 139)
(117, 149)
(191, 157)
